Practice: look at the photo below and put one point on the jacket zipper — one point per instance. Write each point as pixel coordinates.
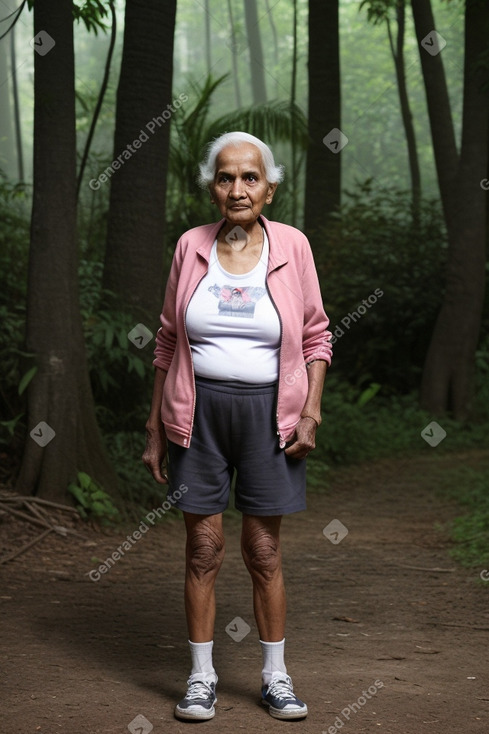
(190, 353)
(281, 441)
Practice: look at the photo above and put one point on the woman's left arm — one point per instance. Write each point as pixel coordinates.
(305, 432)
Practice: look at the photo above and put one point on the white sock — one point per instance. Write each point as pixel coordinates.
(201, 653)
(273, 659)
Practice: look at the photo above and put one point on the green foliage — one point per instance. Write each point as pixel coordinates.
(137, 487)
(93, 502)
(9, 427)
(356, 430)
(470, 488)
(192, 131)
(24, 383)
(377, 10)
(115, 365)
(89, 12)
(16, 363)
(481, 404)
(373, 249)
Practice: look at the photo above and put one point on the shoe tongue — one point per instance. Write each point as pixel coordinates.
(199, 689)
(281, 687)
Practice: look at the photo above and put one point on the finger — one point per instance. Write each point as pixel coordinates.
(157, 474)
(297, 451)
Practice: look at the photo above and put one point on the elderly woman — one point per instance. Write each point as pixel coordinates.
(240, 361)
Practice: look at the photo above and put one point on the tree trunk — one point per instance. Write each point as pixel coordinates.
(273, 27)
(136, 222)
(439, 111)
(293, 141)
(101, 95)
(15, 90)
(7, 148)
(450, 359)
(407, 118)
(323, 169)
(256, 53)
(59, 395)
(208, 53)
(234, 56)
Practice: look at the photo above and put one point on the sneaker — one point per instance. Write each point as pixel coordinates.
(279, 696)
(198, 704)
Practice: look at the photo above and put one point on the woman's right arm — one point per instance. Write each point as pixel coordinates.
(156, 442)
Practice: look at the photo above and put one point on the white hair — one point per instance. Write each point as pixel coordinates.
(274, 173)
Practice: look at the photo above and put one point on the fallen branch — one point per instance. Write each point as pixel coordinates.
(454, 624)
(421, 568)
(24, 516)
(39, 514)
(25, 498)
(25, 547)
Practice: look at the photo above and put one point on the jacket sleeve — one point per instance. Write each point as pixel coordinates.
(316, 340)
(166, 336)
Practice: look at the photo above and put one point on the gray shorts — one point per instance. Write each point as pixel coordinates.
(235, 428)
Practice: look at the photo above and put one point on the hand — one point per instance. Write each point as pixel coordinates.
(155, 452)
(304, 439)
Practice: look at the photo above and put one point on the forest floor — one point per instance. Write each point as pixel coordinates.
(384, 611)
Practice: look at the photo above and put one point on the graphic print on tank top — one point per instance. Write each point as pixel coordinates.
(238, 302)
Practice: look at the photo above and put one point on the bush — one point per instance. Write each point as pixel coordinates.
(14, 247)
(373, 249)
(386, 425)
(121, 375)
(470, 531)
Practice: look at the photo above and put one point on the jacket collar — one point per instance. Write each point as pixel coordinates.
(276, 258)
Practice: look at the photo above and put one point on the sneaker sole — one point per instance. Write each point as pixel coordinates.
(194, 715)
(281, 714)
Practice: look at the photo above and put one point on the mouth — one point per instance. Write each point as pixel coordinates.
(238, 207)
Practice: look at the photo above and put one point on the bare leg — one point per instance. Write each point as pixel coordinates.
(260, 546)
(204, 556)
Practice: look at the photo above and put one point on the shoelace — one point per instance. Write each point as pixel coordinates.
(281, 688)
(198, 689)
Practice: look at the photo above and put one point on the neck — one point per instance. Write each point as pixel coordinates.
(251, 228)
(254, 236)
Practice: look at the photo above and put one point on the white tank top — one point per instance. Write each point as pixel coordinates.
(233, 326)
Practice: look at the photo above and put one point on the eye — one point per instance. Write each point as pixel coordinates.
(251, 177)
(223, 178)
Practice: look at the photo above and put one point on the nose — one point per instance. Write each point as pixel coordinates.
(236, 191)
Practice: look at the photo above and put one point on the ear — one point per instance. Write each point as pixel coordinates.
(270, 193)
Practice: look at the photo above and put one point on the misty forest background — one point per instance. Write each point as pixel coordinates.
(401, 209)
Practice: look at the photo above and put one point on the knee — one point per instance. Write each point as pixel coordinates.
(262, 556)
(205, 553)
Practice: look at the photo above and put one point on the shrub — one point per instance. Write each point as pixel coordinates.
(373, 248)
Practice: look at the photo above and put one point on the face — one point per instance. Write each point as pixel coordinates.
(240, 187)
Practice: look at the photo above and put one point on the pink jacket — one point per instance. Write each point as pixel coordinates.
(294, 289)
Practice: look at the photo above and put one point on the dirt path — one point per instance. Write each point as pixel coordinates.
(365, 615)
